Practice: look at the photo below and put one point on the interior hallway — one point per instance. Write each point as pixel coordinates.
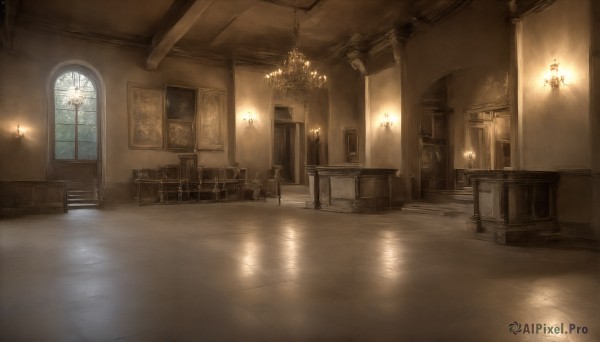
(257, 271)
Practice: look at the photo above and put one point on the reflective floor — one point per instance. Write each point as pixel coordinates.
(260, 272)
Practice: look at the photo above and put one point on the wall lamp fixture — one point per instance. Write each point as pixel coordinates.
(20, 133)
(388, 121)
(555, 78)
(249, 118)
(470, 155)
(315, 132)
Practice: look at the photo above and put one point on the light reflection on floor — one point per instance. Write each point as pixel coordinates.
(258, 271)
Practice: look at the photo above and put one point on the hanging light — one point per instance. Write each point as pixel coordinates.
(75, 97)
(295, 75)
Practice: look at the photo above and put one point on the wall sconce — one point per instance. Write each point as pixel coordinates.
(20, 132)
(315, 133)
(554, 77)
(388, 121)
(249, 118)
(470, 155)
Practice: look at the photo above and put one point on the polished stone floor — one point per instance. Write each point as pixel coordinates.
(255, 271)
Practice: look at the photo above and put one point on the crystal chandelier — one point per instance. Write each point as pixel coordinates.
(295, 75)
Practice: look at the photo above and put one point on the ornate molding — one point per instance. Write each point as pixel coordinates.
(520, 9)
(80, 32)
(246, 56)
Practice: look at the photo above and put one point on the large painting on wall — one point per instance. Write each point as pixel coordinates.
(180, 135)
(145, 111)
(211, 123)
(181, 103)
(180, 113)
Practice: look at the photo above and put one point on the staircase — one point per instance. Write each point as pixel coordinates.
(444, 203)
(82, 195)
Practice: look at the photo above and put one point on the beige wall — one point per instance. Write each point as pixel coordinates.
(555, 125)
(23, 99)
(253, 142)
(384, 148)
(346, 89)
(473, 46)
(558, 124)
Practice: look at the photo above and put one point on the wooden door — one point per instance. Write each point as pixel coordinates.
(283, 150)
(433, 166)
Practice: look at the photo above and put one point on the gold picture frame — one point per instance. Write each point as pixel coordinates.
(145, 117)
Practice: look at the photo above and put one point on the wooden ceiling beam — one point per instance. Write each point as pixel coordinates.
(180, 20)
(522, 8)
(283, 3)
(239, 11)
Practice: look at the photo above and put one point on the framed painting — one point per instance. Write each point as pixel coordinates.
(211, 123)
(180, 135)
(180, 103)
(145, 116)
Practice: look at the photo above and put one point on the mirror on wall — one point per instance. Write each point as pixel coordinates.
(351, 145)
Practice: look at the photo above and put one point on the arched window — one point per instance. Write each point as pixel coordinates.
(75, 117)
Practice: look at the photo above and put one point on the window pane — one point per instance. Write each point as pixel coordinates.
(64, 132)
(65, 116)
(61, 102)
(86, 85)
(86, 150)
(64, 82)
(89, 105)
(86, 118)
(70, 123)
(86, 133)
(64, 150)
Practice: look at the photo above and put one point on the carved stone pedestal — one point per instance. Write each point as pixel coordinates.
(514, 206)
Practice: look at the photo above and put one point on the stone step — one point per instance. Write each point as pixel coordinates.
(82, 200)
(450, 196)
(441, 209)
(73, 206)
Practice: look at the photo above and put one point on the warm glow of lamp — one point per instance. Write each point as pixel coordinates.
(470, 155)
(20, 132)
(295, 74)
(315, 132)
(249, 118)
(555, 77)
(388, 120)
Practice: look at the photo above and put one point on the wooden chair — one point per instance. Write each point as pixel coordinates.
(144, 179)
(251, 187)
(208, 183)
(169, 184)
(188, 168)
(274, 184)
(230, 182)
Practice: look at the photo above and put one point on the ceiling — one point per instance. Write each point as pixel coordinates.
(233, 28)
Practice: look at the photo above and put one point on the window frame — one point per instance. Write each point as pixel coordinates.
(52, 124)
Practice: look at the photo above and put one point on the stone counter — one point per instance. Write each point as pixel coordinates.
(349, 188)
(514, 206)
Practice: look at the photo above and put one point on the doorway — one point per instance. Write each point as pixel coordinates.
(433, 149)
(488, 139)
(434, 144)
(288, 147)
